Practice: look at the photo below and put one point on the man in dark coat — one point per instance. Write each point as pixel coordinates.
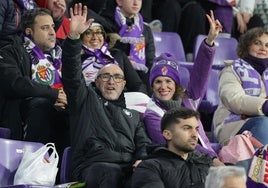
(107, 139)
(178, 164)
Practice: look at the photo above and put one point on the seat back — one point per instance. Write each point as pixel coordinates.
(65, 172)
(136, 101)
(225, 49)
(169, 42)
(5, 132)
(211, 99)
(11, 152)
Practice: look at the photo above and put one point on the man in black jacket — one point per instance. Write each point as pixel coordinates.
(107, 139)
(31, 88)
(178, 164)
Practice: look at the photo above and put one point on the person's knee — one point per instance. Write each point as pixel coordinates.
(102, 173)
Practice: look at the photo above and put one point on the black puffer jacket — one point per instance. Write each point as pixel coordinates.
(101, 130)
(165, 169)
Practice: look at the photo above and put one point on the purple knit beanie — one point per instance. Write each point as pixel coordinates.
(165, 65)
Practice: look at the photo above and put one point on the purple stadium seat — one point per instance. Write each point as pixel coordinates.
(65, 166)
(11, 152)
(211, 100)
(225, 49)
(5, 132)
(169, 42)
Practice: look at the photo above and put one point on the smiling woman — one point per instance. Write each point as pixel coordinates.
(243, 90)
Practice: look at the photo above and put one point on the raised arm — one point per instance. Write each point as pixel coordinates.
(203, 62)
(74, 84)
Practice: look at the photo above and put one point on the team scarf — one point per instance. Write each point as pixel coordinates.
(132, 35)
(251, 79)
(46, 68)
(96, 59)
(25, 5)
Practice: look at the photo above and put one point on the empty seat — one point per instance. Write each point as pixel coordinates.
(65, 172)
(5, 132)
(11, 152)
(169, 42)
(225, 49)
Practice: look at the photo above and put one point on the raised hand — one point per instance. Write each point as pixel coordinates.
(214, 28)
(79, 22)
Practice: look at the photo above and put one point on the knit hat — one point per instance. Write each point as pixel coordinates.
(94, 24)
(165, 65)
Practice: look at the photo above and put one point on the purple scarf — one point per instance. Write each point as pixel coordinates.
(25, 5)
(46, 68)
(251, 74)
(96, 59)
(132, 34)
(250, 77)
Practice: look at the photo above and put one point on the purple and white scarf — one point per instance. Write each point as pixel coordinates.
(96, 59)
(132, 35)
(251, 82)
(46, 68)
(25, 5)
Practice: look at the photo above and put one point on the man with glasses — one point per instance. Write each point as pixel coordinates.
(96, 54)
(107, 139)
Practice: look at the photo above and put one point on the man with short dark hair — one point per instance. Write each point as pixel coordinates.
(31, 87)
(178, 164)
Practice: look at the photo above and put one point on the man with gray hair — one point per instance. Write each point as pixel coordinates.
(226, 176)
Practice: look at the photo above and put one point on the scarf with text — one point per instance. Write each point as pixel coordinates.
(46, 68)
(251, 80)
(131, 33)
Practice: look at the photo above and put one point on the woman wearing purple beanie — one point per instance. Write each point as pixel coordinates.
(168, 92)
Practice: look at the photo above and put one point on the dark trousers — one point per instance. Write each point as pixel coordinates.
(106, 175)
(43, 122)
(187, 18)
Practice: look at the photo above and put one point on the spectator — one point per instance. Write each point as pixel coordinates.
(226, 177)
(31, 87)
(244, 19)
(223, 12)
(125, 26)
(168, 93)
(61, 21)
(10, 16)
(107, 139)
(95, 55)
(185, 17)
(243, 90)
(12, 10)
(178, 164)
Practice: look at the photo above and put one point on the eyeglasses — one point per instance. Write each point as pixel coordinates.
(106, 77)
(97, 33)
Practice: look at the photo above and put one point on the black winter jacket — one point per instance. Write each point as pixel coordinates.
(16, 84)
(165, 169)
(101, 130)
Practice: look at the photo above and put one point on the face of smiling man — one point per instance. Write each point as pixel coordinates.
(110, 81)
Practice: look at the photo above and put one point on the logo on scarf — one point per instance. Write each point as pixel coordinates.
(44, 75)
